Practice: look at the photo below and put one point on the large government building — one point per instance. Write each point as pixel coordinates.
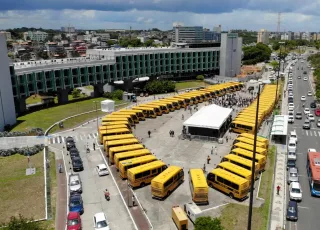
(102, 66)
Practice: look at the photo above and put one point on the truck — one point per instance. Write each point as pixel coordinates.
(193, 211)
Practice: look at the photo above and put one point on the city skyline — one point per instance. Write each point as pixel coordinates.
(143, 14)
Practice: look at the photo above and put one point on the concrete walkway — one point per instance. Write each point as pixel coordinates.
(19, 142)
(278, 210)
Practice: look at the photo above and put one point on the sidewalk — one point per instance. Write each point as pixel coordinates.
(61, 203)
(278, 209)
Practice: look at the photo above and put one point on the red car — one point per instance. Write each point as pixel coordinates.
(74, 221)
(317, 112)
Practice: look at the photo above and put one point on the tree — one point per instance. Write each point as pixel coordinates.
(207, 223)
(63, 36)
(117, 94)
(274, 64)
(110, 42)
(255, 54)
(160, 86)
(200, 77)
(149, 43)
(22, 223)
(75, 93)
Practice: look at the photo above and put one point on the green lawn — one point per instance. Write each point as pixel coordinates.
(189, 84)
(235, 216)
(21, 194)
(46, 117)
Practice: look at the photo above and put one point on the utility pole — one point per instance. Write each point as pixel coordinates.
(278, 73)
(253, 161)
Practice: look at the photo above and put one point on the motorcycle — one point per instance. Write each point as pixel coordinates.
(107, 195)
(88, 150)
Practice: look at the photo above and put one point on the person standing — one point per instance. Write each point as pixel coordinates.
(212, 150)
(208, 159)
(149, 133)
(278, 189)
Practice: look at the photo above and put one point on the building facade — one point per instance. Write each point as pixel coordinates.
(305, 36)
(188, 34)
(316, 36)
(211, 36)
(287, 36)
(7, 108)
(35, 36)
(263, 36)
(230, 55)
(6, 34)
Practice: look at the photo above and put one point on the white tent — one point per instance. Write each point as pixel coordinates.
(210, 117)
(107, 106)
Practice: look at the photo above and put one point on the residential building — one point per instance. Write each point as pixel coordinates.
(104, 37)
(35, 36)
(51, 46)
(287, 36)
(80, 37)
(316, 36)
(68, 29)
(263, 36)
(305, 36)
(143, 39)
(296, 35)
(187, 34)
(230, 54)
(87, 37)
(6, 34)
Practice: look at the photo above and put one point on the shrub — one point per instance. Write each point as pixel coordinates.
(25, 151)
(31, 132)
(200, 77)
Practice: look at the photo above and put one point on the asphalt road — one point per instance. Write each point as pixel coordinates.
(309, 207)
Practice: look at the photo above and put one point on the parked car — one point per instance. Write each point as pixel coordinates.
(303, 98)
(102, 170)
(309, 93)
(318, 123)
(313, 105)
(75, 185)
(295, 191)
(292, 210)
(317, 112)
(74, 152)
(292, 145)
(292, 156)
(305, 79)
(70, 143)
(291, 163)
(76, 203)
(312, 150)
(293, 136)
(77, 164)
(100, 221)
(74, 221)
(292, 175)
(298, 115)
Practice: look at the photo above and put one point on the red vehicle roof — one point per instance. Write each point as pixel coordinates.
(73, 215)
(314, 158)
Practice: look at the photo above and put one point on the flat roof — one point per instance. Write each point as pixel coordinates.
(280, 125)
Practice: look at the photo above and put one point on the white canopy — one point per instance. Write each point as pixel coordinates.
(211, 117)
(107, 106)
(280, 125)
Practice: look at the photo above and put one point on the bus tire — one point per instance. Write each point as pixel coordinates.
(231, 195)
(142, 184)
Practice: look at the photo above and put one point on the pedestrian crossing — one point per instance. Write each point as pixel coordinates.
(311, 133)
(80, 137)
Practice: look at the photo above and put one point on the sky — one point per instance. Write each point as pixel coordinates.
(296, 15)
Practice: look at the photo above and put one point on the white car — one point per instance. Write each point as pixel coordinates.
(310, 117)
(292, 146)
(313, 68)
(303, 98)
(305, 79)
(312, 150)
(100, 222)
(318, 123)
(306, 111)
(309, 93)
(302, 61)
(292, 156)
(309, 66)
(291, 119)
(102, 170)
(293, 136)
(291, 105)
(295, 191)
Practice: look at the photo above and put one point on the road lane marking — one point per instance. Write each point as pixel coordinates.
(315, 133)
(303, 207)
(307, 133)
(310, 133)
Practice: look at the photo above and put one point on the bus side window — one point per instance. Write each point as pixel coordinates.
(235, 186)
(154, 171)
(210, 177)
(146, 173)
(139, 175)
(219, 179)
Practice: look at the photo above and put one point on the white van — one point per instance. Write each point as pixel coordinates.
(193, 211)
(292, 146)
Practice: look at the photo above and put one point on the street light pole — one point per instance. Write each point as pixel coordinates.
(278, 73)
(253, 161)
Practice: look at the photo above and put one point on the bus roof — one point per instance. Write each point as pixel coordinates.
(248, 153)
(314, 158)
(114, 118)
(167, 174)
(131, 110)
(115, 123)
(248, 146)
(247, 140)
(131, 161)
(108, 131)
(235, 168)
(123, 141)
(239, 159)
(119, 137)
(229, 176)
(126, 147)
(198, 178)
(109, 127)
(251, 136)
(118, 114)
(243, 123)
(145, 167)
(150, 105)
(126, 112)
(141, 107)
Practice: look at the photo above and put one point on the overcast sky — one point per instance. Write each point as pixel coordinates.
(297, 15)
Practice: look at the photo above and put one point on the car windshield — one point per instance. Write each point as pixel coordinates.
(75, 203)
(293, 136)
(296, 190)
(75, 182)
(103, 169)
(299, 113)
(102, 224)
(293, 174)
(77, 161)
(316, 186)
(73, 222)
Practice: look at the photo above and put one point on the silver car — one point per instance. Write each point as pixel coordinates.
(293, 175)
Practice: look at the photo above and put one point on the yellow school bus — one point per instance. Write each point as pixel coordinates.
(133, 115)
(198, 186)
(261, 159)
(116, 123)
(114, 119)
(163, 106)
(186, 100)
(179, 218)
(193, 99)
(180, 101)
(250, 142)
(115, 150)
(249, 147)
(117, 137)
(167, 181)
(122, 142)
(124, 116)
(129, 155)
(112, 132)
(242, 162)
(168, 104)
(229, 183)
(242, 127)
(260, 139)
(175, 103)
(147, 112)
(139, 113)
(236, 169)
(117, 114)
(200, 98)
(143, 174)
(134, 162)
(156, 108)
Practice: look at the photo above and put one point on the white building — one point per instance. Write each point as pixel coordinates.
(230, 55)
(35, 36)
(104, 37)
(68, 29)
(143, 39)
(217, 29)
(263, 36)
(6, 34)
(7, 107)
(305, 36)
